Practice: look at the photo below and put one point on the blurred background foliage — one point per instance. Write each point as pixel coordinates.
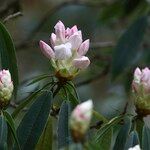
(120, 41)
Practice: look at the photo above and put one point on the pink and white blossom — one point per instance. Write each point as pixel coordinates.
(67, 50)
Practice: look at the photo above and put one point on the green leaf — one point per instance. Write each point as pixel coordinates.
(12, 126)
(127, 46)
(146, 138)
(139, 128)
(63, 128)
(105, 142)
(8, 55)
(123, 135)
(99, 116)
(3, 133)
(34, 121)
(39, 78)
(132, 140)
(46, 139)
(106, 127)
(30, 99)
(74, 101)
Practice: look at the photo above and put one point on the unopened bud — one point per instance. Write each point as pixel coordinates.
(141, 91)
(81, 63)
(6, 88)
(80, 120)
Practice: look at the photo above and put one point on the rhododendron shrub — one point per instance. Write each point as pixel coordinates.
(54, 116)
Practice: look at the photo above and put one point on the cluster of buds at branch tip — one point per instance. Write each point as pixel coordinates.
(67, 51)
(6, 88)
(136, 147)
(80, 120)
(141, 91)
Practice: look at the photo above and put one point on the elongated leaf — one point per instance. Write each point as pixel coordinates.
(127, 46)
(105, 142)
(46, 139)
(12, 126)
(3, 133)
(39, 78)
(34, 121)
(99, 116)
(30, 99)
(106, 127)
(123, 135)
(146, 138)
(63, 127)
(8, 55)
(74, 101)
(132, 140)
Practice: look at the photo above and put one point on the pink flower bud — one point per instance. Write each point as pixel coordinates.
(6, 87)
(75, 41)
(84, 47)
(63, 51)
(73, 30)
(81, 63)
(67, 32)
(47, 50)
(53, 39)
(81, 117)
(60, 31)
(141, 79)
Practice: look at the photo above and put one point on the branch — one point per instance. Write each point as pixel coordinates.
(9, 5)
(12, 16)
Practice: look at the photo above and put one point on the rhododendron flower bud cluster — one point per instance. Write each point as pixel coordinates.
(67, 50)
(141, 89)
(80, 119)
(6, 88)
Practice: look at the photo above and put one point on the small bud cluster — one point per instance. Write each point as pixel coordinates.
(67, 51)
(80, 119)
(6, 88)
(141, 90)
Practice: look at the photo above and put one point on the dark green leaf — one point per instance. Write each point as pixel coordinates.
(34, 121)
(39, 78)
(132, 140)
(99, 116)
(105, 142)
(106, 127)
(139, 128)
(3, 133)
(12, 126)
(127, 46)
(74, 101)
(46, 139)
(123, 135)
(63, 127)
(8, 55)
(146, 138)
(30, 99)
